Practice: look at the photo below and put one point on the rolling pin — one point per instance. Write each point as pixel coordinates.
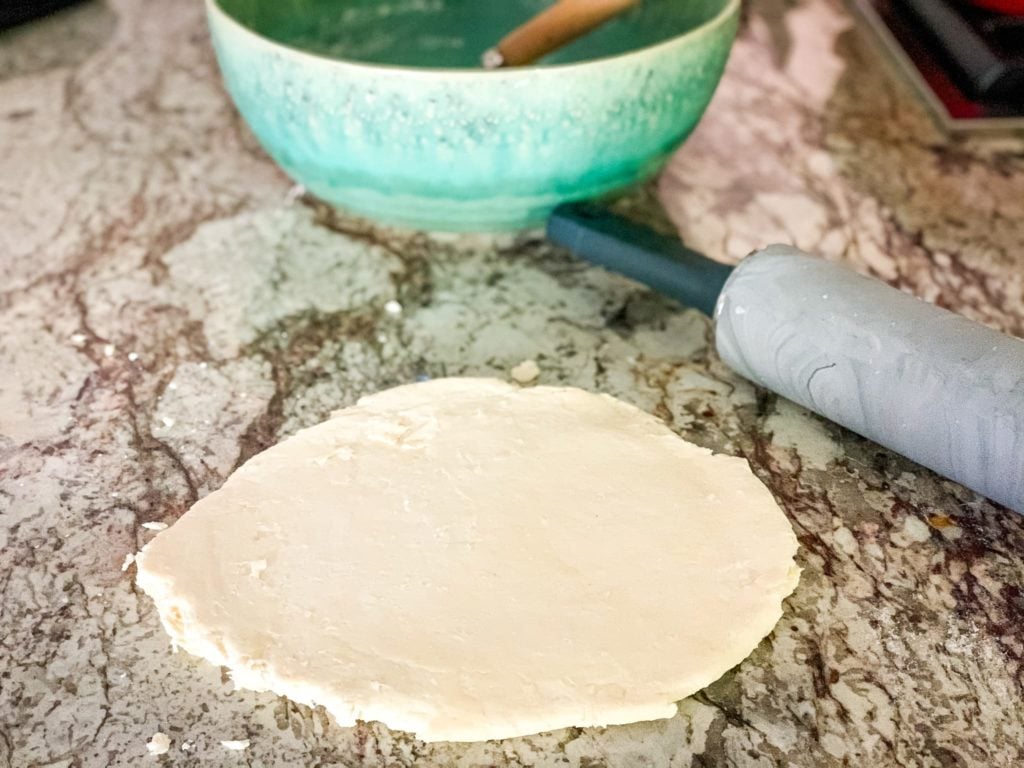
(924, 382)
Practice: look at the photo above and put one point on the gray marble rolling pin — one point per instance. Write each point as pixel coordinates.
(924, 382)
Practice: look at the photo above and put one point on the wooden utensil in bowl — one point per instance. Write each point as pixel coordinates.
(551, 29)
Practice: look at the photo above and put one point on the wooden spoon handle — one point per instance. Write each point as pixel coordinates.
(552, 28)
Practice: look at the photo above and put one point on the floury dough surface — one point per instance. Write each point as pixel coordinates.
(468, 560)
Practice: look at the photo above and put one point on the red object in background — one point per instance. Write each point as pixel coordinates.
(1010, 7)
(929, 69)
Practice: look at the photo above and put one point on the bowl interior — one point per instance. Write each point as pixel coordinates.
(449, 33)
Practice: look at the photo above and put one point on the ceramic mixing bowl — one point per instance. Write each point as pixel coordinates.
(381, 107)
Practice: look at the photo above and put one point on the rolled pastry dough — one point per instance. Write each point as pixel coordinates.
(468, 560)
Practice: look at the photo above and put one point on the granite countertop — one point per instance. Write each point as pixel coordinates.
(169, 306)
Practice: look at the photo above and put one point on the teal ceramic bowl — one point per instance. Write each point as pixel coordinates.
(380, 106)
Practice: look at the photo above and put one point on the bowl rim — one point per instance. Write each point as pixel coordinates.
(729, 9)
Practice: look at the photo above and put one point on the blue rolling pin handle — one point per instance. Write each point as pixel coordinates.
(661, 262)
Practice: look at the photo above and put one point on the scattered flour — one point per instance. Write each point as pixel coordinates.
(526, 371)
(158, 744)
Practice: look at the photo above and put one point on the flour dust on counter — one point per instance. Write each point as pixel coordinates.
(159, 744)
(467, 560)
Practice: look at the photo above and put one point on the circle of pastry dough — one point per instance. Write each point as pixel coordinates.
(468, 560)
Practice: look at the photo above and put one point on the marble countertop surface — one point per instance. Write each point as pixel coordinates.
(169, 306)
